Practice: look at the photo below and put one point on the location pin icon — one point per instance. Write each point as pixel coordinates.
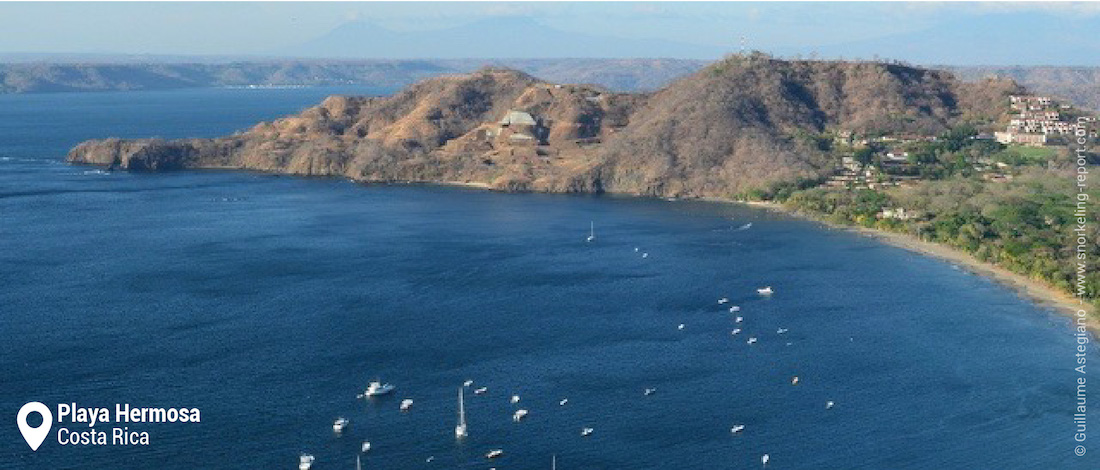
(35, 436)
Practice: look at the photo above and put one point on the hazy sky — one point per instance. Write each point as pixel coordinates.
(257, 28)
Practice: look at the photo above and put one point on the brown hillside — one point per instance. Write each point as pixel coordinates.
(739, 124)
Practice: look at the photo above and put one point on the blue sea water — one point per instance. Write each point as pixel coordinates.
(269, 302)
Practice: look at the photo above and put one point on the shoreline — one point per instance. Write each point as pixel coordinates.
(1039, 292)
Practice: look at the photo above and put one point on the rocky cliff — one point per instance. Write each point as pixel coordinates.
(742, 123)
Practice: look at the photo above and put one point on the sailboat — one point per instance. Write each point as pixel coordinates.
(460, 429)
(591, 232)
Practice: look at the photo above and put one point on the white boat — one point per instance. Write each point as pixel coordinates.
(739, 319)
(460, 428)
(340, 424)
(492, 454)
(649, 391)
(406, 404)
(591, 232)
(636, 249)
(735, 331)
(586, 431)
(305, 462)
(645, 255)
(515, 399)
(752, 340)
(430, 459)
(481, 391)
(794, 380)
(723, 300)
(737, 428)
(563, 402)
(829, 405)
(680, 326)
(765, 290)
(377, 388)
(365, 448)
(781, 331)
(467, 383)
(764, 459)
(734, 309)
(519, 415)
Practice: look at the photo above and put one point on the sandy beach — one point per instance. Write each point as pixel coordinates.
(1038, 291)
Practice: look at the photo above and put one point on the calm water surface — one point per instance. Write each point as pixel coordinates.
(269, 302)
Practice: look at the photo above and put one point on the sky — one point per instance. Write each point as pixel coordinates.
(256, 28)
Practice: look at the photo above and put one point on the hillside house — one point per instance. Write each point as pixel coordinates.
(1022, 138)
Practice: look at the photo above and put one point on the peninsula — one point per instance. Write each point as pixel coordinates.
(878, 145)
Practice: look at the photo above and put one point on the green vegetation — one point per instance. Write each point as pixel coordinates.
(1025, 225)
(1019, 155)
(1010, 206)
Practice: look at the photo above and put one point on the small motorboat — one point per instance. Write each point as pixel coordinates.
(305, 462)
(794, 380)
(406, 404)
(781, 331)
(645, 255)
(492, 454)
(467, 383)
(764, 459)
(765, 290)
(519, 415)
(752, 340)
(735, 309)
(649, 391)
(591, 232)
(829, 405)
(723, 300)
(739, 319)
(377, 388)
(735, 331)
(563, 402)
(515, 399)
(430, 459)
(365, 448)
(340, 425)
(680, 326)
(737, 428)
(481, 391)
(586, 432)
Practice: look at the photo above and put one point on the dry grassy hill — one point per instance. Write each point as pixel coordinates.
(738, 124)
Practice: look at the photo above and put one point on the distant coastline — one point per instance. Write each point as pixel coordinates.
(1078, 85)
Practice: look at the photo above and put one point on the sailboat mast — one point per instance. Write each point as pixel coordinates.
(461, 409)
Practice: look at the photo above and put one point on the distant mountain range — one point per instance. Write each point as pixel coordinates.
(1023, 39)
(498, 37)
(615, 74)
(1078, 85)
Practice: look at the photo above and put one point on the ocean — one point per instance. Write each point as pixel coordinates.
(269, 302)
